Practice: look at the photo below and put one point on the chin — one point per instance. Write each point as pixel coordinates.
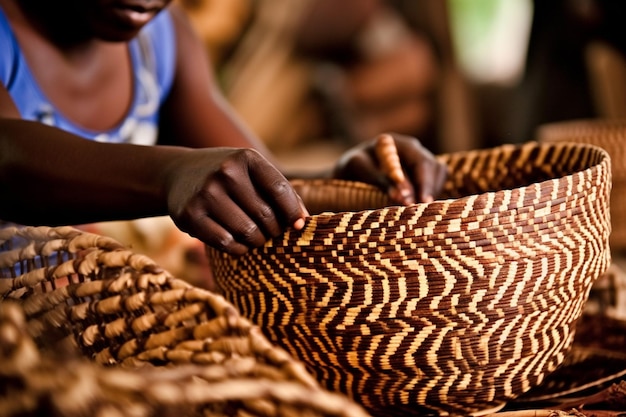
(120, 25)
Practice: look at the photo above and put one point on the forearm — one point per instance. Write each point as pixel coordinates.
(50, 177)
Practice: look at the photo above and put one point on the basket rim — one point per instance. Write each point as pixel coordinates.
(604, 163)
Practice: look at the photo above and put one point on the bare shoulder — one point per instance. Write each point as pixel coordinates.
(185, 34)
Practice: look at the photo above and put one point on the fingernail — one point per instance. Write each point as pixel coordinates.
(299, 224)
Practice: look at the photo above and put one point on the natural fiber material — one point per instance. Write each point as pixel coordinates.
(609, 134)
(454, 306)
(179, 350)
(584, 372)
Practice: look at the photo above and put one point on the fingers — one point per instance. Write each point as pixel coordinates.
(240, 202)
(255, 208)
(372, 164)
(218, 221)
(401, 190)
(441, 175)
(215, 235)
(429, 177)
(279, 197)
(425, 180)
(360, 164)
(426, 173)
(236, 223)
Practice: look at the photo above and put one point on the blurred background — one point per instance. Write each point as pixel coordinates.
(321, 75)
(314, 77)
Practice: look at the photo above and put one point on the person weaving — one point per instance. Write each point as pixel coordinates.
(131, 73)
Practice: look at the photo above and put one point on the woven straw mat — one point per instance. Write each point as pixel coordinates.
(151, 345)
(450, 307)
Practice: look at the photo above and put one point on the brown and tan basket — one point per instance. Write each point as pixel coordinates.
(151, 344)
(450, 307)
(609, 134)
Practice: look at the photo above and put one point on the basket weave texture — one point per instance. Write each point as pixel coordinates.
(609, 134)
(151, 344)
(454, 306)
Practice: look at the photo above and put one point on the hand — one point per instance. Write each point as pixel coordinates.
(425, 174)
(231, 199)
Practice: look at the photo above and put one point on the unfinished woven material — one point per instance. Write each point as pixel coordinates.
(178, 350)
(609, 134)
(454, 306)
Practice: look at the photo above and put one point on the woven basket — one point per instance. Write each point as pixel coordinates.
(609, 134)
(454, 306)
(178, 350)
(584, 372)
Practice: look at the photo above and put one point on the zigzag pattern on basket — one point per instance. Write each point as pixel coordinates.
(610, 135)
(179, 350)
(455, 306)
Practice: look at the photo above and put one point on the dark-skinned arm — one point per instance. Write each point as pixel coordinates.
(197, 115)
(232, 199)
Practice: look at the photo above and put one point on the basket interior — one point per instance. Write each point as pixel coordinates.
(469, 173)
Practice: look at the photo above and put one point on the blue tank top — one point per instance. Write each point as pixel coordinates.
(153, 58)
